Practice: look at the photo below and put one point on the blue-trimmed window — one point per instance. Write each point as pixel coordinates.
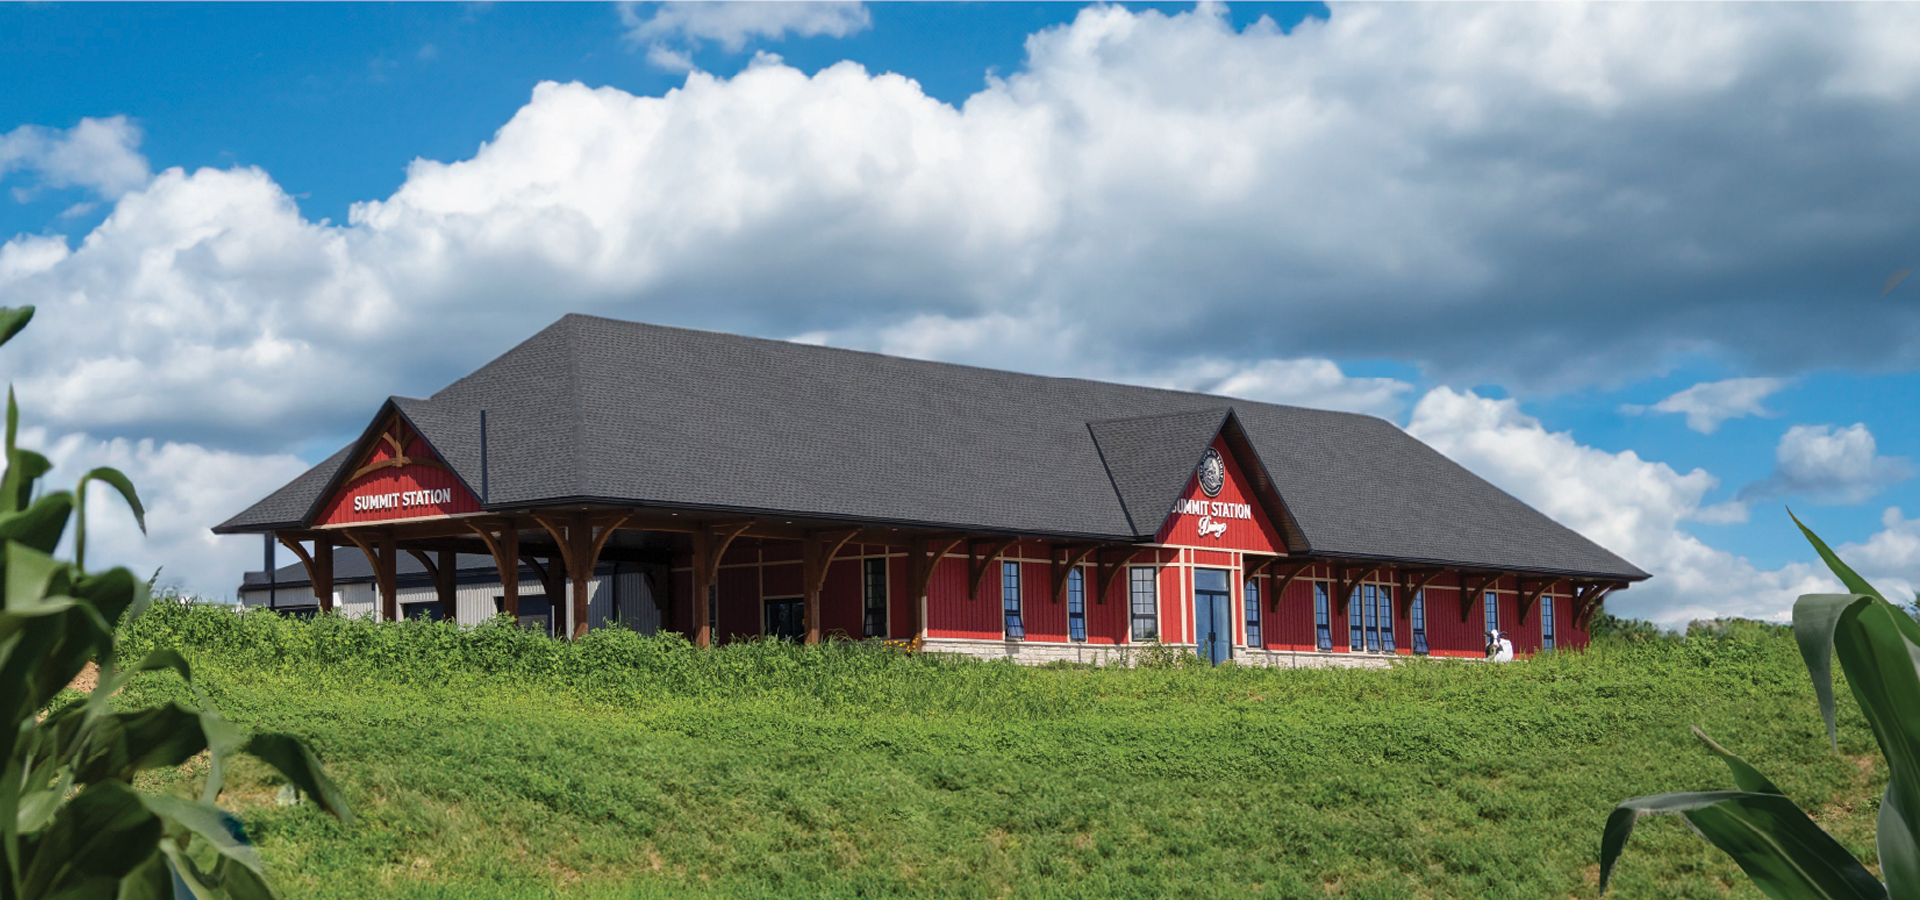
(1546, 622)
(1419, 615)
(1491, 603)
(1143, 598)
(1370, 617)
(1251, 600)
(1356, 632)
(874, 591)
(1076, 605)
(1322, 617)
(1383, 617)
(1010, 599)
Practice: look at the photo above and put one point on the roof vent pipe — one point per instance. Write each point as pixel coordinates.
(483, 457)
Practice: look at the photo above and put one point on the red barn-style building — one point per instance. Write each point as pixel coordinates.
(732, 488)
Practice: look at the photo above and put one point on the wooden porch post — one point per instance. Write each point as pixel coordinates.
(449, 577)
(816, 557)
(323, 573)
(507, 560)
(697, 623)
(581, 558)
(923, 556)
(388, 576)
(319, 565)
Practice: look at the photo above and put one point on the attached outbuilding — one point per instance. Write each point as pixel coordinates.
(609, 473)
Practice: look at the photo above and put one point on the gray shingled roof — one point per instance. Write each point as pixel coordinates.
(599, 409)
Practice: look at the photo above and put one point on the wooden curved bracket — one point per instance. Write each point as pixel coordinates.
(1281, 582)
(1075, 555)
(816, 557)
(977, 564)
(1110, 567)
(1530, 593)
(1472, 591)
(1587, 599)
(1350, 578)
(1412, 582)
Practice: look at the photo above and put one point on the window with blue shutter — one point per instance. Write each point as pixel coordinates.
(1383, 598)
(1010, 599)
(1322, 617)
(1251, 599)
(1546, 622)
(1419, 615)
(1356, 636)
(1076, 605)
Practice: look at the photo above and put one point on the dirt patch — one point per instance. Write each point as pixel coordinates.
(87, 680)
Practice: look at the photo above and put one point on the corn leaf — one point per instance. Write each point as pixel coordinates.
(295, 761)
(1846, 574)
(103, 832)
(39, 526)
(1745, 776)
(1898, 842)
(1885, 680)
(12, 319)
(1815, 616)
(119, 482)
(210, 823)
(1786, 854)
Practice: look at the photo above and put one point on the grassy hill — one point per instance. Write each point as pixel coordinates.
(491, 763)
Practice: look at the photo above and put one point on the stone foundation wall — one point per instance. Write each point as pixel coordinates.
(1035, 653)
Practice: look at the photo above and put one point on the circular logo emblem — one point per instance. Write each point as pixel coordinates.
(1213, 472)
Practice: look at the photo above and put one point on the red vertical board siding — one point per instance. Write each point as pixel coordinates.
(901, 605)
(741, 553)
(1173, 605)
(741, 616)
(1525, 636)
(1106, 614)
(842, 600)
(781, 551)
(951, 613)
(1290, 627)
(1212, 559)
(782, 580)
(1045, 619)
(1570, 635)
(1445, 635)
(400, 486)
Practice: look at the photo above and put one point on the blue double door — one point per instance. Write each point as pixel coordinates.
(1212, 615)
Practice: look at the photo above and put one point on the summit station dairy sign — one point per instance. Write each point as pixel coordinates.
(401, 499)
(1213, 514)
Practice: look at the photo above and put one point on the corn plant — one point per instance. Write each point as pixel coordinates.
(1777, 844)
(71, 823)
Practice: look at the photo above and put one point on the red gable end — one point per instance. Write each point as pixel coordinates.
(398, 477)
(1229, 519)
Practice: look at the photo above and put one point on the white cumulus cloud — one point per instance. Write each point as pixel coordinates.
(675, 29)
(1635, 507)
(1489, 193)
(1830, 465)
(185, 488)
(1535, 195)
(1710, 403)
(101, 155)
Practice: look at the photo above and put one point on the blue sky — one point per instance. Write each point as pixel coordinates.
(1534, 236)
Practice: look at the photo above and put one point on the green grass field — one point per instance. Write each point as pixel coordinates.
(492, 763)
